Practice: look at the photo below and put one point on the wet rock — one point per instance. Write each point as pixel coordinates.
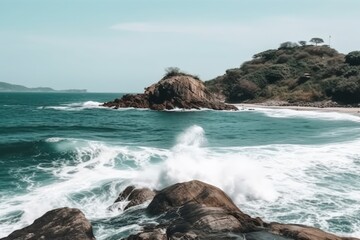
(190, 192)
(58, 224)
(301, 232)
(196, 210)
(135, 196)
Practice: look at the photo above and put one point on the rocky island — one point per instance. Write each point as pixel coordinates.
(188, 210)
(175, 90)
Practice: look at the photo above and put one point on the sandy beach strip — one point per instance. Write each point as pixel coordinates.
(348, 110)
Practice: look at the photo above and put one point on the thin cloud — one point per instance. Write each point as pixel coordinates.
(146, 27)
(262, 31)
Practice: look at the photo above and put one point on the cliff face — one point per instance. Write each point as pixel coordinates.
(300, 74)
(182, 91)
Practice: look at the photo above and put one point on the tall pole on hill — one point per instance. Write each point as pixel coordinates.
(329, 40)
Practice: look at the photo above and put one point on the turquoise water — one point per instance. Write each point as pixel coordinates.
(61, 150)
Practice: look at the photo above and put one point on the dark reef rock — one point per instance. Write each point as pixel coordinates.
(181, 91)
(57, 224)
(135, 196)
(196, 210)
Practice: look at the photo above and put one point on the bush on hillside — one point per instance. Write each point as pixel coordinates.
(343, 90)
(287, 45)
(175, 71)
(353, 58)
(245, 90)
(267, 55)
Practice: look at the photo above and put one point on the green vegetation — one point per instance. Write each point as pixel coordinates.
(295, 74)
(317, 40)
(175, 71)
(353, 58)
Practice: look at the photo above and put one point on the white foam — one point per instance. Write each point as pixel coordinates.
(76, 106)
(276, 182)
(96, 165)
(290, 113)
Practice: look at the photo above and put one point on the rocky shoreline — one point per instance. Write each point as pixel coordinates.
(189, 210)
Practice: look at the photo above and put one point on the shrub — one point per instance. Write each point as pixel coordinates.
(245, 90)
(353, 58)
(286, 45)
(175, 71)
(283, 59)
(352, 72)
(267, 55)
(302, 55)
(302, 43)
(343, 90)
(321, 51)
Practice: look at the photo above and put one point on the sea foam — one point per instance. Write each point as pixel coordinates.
(313, 185)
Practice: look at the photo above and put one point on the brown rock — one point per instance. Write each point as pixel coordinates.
(58, 224)
(301, 232)
(190, 192)
(135, 196)
(182, 91)
(196, 210)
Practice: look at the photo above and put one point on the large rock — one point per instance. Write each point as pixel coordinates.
(190, 192)
(196, 210)
(58, 224)
(135, 196)
(183, 91)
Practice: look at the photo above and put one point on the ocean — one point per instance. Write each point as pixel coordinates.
(62, 149)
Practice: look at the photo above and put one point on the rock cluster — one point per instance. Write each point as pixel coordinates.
(181, 91)
(196, 210)
(189, 210)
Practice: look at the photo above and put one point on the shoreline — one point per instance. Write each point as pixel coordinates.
(348, 110)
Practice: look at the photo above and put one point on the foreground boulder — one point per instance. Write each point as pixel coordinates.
(135, 196)
(196, 210)
(180, 91)
(58, 224)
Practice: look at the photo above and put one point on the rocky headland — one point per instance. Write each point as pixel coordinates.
(189, 210)
(173, 91)
(293, 75)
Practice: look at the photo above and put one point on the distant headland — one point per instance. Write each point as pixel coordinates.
(8, 87)
(295, 74)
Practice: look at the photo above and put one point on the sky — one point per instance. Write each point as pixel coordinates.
(125, 45)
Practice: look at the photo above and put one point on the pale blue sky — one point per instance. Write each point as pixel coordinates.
(125, 45)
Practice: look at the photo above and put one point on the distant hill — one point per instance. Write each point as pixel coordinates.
(295, 74)
(7, 87)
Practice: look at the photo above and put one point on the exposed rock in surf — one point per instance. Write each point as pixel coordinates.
(190, 192)
(189, 210)
(135, 196)
(301, 232)
(196, 210)
(62, 223)
(182, 91)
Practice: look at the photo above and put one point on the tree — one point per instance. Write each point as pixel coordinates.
(353, 58)
(288, 45)
(317, 41)
(302, 43)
